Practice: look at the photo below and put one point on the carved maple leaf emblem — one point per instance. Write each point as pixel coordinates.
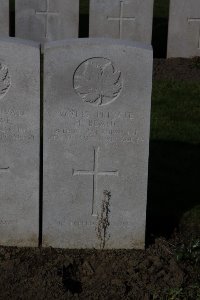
(96, 81)
(4, 80)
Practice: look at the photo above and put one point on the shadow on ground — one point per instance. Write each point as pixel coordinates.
(159, 37)
(173, 187)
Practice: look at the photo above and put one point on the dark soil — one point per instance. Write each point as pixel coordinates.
(167, 269)
(177, 69)
(72, 274)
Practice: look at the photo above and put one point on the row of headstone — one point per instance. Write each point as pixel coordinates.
(46, 20)
(97, 97)
(4, 18)
(184, 28)
(49, 20)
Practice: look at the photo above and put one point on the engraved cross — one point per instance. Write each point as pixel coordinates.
(121, 18)
(190, 20)
(95, 173)
(46, 14)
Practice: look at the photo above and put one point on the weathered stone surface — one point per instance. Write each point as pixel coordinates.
(47, 20)
(19, 142)
(184, 28)
(4, 18)
(122, 19)
(96, 134)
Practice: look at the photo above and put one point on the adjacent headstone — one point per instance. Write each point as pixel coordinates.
(47, 20)
(4, 18)
(184, 28)
(19, 142)
(122, 19)
(97, 97)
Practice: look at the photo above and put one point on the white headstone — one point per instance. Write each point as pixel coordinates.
(47, 20)
(4, 18)
(97, 97)
(19, 142)
(184, 28)
(122, 19)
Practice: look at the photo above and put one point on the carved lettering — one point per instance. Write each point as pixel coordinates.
(7, 222)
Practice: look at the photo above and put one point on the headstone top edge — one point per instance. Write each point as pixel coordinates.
(13, 40)
(97, 41)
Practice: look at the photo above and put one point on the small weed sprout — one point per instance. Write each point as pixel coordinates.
(196, 62)
(189, 252)
(103, 220)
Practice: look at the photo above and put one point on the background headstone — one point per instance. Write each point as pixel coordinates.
(184, 28)
(19, 142)
(122, 19)
(97, 96)
(4, 18)
(47, 20)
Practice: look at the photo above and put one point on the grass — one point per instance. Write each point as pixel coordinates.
(176, 111)
(173, 186)
(84, 7)
(161, 8)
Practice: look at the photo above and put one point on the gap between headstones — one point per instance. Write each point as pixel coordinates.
(12, 18)
(83, 18)
(41, 149)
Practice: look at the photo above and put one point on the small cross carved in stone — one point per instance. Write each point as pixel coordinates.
(46, 14)
(121, 18)
(95, 173)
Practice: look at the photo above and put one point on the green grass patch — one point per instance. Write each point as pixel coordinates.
(84, 7)
(176, 111)
(12, 4)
